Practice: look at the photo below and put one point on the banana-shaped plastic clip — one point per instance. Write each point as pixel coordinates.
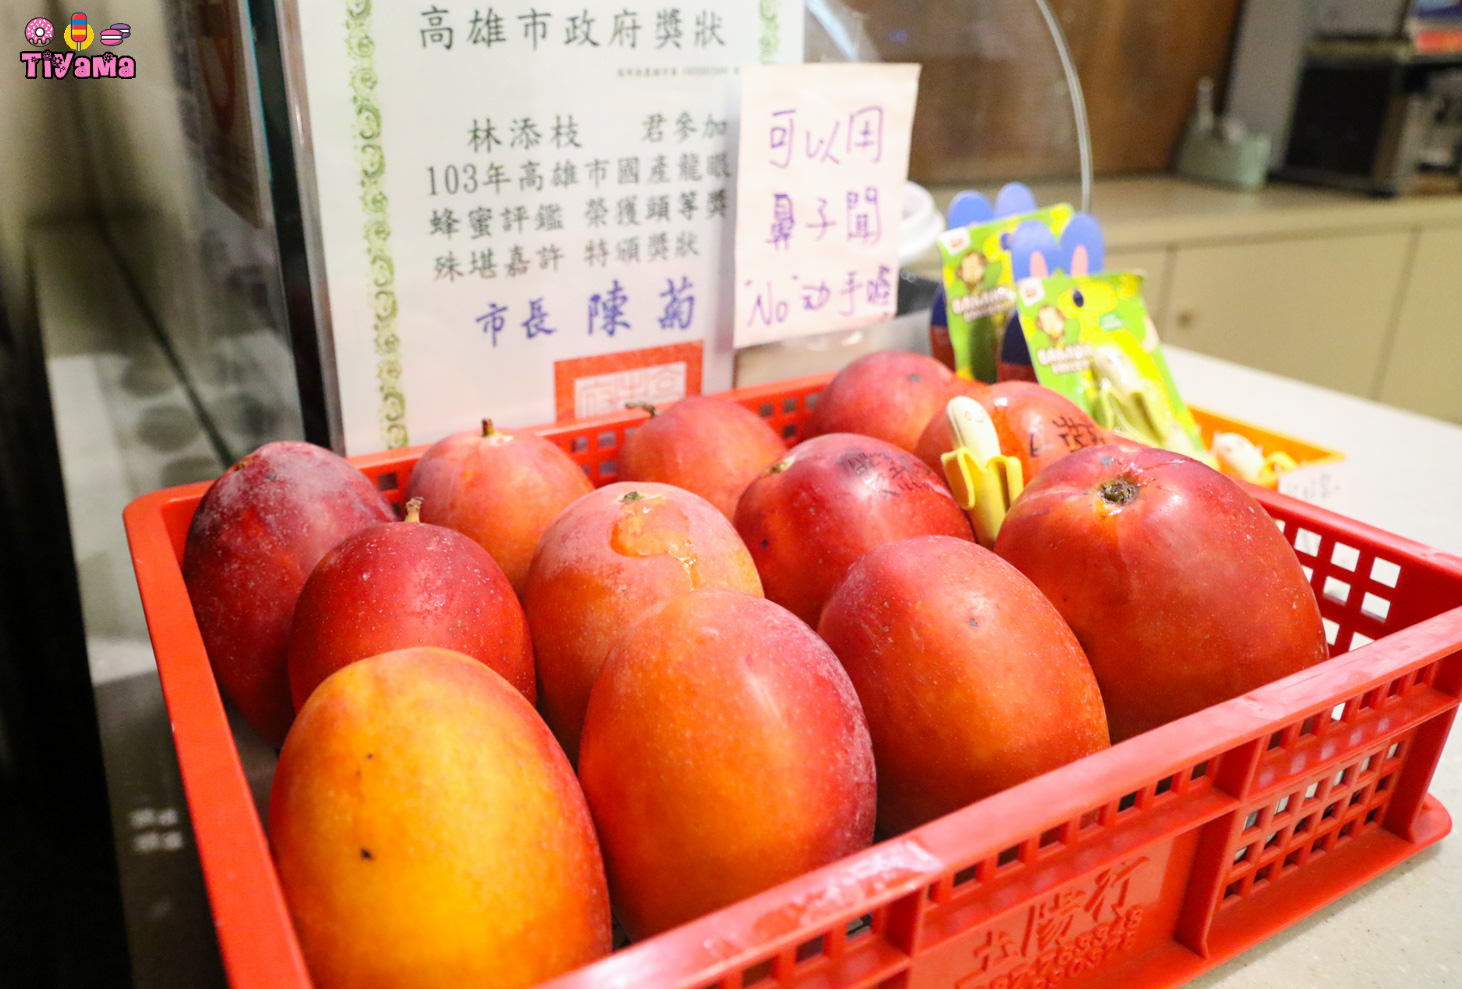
(1275, 464)
(984, 480)
(1238, 455)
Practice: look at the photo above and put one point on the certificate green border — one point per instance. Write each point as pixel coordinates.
(771, 41)
(377, 224)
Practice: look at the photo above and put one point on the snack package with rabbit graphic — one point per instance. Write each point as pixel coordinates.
(1090, 338)
(1037, 252)
(979, 287)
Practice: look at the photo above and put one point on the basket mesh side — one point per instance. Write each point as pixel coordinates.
(1354, 584)
(851, 956)
(1275, 837)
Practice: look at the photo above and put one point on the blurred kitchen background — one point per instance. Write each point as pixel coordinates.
(1302, 217)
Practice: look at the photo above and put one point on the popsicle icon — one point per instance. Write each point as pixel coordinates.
(78, 33)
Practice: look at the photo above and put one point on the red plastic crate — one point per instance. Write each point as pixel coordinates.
(1148, 862)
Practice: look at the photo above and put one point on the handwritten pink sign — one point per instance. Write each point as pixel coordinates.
(824, 154)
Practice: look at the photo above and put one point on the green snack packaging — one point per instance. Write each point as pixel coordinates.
(1090, 339)
(979, 286)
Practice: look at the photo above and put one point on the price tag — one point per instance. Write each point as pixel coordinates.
(1319, 484)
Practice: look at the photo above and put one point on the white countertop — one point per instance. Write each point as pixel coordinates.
(1403, 474)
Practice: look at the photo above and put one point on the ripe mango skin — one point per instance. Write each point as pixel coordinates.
(258, 532)
(404, 584)
(970, 679)
(724, 751)
(501, 489)
(428, 831)
(1175, 580)
(607, 559)
(704, 444)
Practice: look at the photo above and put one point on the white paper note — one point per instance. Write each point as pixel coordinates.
(821, 169)
(516, 197)
(1319, 484)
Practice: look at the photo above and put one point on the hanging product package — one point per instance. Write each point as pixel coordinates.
(979, 285)
(1091, 339)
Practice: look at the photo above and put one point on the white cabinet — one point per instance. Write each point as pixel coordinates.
(1154, 263)
(1423, 371)
(1316, 309)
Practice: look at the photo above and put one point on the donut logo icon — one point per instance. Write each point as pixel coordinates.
(78, 34)
(39, 32)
